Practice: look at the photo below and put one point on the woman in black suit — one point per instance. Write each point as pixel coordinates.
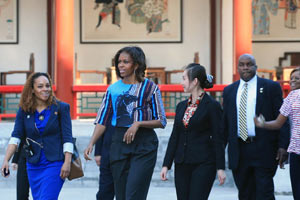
(195, 144)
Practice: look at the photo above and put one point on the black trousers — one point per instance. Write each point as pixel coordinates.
(194, 181)
(106, 184)
(22, 180)
(253, 181)
(295, 174)
(132, 164)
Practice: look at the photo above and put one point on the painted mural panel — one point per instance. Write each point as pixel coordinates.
(109, 21)
(8, 21)
(276, 20)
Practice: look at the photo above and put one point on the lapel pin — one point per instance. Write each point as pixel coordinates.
(28, 116)
(261, 90)
(55, 113)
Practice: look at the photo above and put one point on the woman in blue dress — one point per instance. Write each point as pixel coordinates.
(133, 105)
(44, 123)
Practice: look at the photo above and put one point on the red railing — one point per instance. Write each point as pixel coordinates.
(12, 89)
(102, 88)
(85, 88)
(6, 89)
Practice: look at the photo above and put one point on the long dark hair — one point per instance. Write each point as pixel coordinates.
(138, 58)
(195, 70)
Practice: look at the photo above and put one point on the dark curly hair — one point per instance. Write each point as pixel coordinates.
(138, 58)
(28, 101)
(295, 70)
(195, 70)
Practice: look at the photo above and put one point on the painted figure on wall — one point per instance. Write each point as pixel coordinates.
(154, 10)
(290, 14)
(3, 4)
(151, 12)
(6, 19)
(109, 7)
(134, 8)
(261, 9)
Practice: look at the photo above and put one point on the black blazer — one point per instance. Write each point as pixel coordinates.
(200, 141)
(57, 132)
(268, 102)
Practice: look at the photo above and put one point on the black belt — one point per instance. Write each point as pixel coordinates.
(249, 139)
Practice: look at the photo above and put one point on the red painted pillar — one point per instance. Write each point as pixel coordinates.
(64, 30)
(242, 31)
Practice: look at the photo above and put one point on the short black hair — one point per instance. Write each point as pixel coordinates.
(250, 57)
(195, 70)
(295, 70)
(138, 58)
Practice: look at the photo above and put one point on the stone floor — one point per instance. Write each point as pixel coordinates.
(86, 187)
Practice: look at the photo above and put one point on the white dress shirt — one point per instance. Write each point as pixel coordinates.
(251, 104)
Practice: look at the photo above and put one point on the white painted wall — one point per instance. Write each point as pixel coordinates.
(227, 41)
(267, 54)
(196, 38)
(32, 38)
(219, 77)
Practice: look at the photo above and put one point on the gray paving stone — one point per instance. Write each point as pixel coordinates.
(86, 187)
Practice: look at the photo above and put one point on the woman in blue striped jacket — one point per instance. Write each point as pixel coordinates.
(133, 105)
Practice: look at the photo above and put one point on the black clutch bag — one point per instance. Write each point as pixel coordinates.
(28, 148)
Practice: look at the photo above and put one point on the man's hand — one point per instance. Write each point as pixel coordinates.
(163, 173)
(282, 156)
(98, 160)
(14, 166)
(221, 176)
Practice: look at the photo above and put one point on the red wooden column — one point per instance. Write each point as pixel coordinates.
(242, 26)
(64, 30)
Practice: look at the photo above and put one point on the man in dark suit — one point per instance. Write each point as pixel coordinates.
(106, 184)
(253, 153)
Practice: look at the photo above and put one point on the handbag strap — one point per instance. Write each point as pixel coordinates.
(35, 142)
